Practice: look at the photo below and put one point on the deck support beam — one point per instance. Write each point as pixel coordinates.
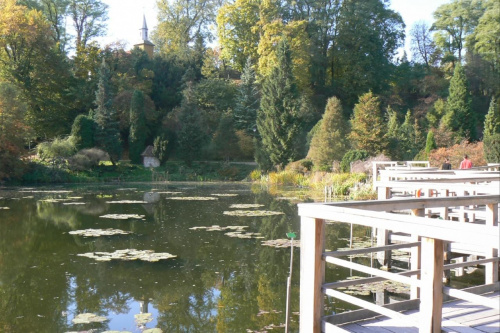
(312, 273)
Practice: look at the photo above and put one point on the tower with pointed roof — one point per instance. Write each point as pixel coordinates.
(144, 43)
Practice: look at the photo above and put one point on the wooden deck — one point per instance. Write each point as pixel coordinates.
(458, 316)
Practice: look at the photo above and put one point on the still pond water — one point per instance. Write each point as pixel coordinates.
(216, 283)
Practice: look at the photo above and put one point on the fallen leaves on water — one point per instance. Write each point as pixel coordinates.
(126, 202)
(279, 243)
(143, 318)
(245, 206)
(252, 213)
(99, 232)
(87, 318)
(193, 198)
(128, 255)
(122, 216)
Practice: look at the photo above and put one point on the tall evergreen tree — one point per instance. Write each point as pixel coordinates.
(247, 102)
(277, 118)
(107, 136)
(138, 129)
(82, 132)
(459, 117)
(407, 138)
(430, 143)
(225, 141)
(367, 127)
(491, 134)
(328, 143)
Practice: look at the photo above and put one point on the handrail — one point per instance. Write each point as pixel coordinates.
(427, 249)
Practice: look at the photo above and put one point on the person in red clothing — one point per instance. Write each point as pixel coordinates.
(466, 163)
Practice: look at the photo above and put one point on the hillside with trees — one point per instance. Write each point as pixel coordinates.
(286, 81)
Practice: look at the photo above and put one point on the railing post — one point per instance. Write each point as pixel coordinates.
(431, 291)
(312, 273)
(415, 262)
(491, 269)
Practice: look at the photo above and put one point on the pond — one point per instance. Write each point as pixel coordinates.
(217, 275)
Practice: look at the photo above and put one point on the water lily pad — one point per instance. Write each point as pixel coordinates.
(48, 191)
(55, 200)
(245, 206)
(74, 203)
(104, 196)
(128, 255)
(4, 208)
(239, 234)
(143, 318)
(126, 202)
(99, 232)
(87, 318)
(280, 243)
(225, 194)
(219, 228)
(252, 213)
(193, 198)
(167, 192)
(122, 216)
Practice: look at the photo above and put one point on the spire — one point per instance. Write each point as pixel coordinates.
(144, 29)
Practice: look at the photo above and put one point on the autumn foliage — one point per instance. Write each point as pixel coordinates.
(456, 153)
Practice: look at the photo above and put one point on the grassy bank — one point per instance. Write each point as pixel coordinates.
(41, 173)
(353, 186)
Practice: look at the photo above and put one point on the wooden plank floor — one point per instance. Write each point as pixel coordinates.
(458, 316)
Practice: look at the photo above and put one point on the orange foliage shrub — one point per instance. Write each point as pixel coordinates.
(456, 154)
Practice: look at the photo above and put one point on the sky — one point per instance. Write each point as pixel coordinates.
(125, 17)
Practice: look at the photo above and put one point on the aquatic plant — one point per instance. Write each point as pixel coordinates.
(252, 213)
(128, 255)
(122, 216)
(99, 232)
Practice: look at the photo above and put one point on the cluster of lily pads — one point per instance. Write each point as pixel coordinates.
(128, 255)
(193, 198)
(251, 213)
(237, 231)
(141, 319)
(225, 195)
(122, 216)
(280, 243)
(368, 288)
(126, 202)
(4, 208)
(245, 206)
(99, 232)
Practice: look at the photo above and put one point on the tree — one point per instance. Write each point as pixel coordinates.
(329, 143)
(408, 144)
(454, 21)
(491, 134)
(368, 36)
(367, 127)
(422, 46)
(487, 34)
(225, 141)
(82, 132)
(459, 117)
(181, 23)
(238, 32)
(89, 17)
(30, 59)
(138, 130)
(12, 130)
(277, 118)
(107, 136)
(430, 143)
(247, 101)
(160, 150)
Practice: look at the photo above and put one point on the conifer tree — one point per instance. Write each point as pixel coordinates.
(247, 103)
(491, 134)
(328, 143)
(367, 127)
(107, 135)
(277, 118)
(430, 143)
(407, 138)
(82, 132)
(138, 129)
(225, 141)
(459, 117)
(392, 134)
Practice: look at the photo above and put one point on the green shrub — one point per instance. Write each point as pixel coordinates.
(352, 156)
(57, 149)
(87, 159)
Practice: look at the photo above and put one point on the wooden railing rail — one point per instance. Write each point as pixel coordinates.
(427, 255)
